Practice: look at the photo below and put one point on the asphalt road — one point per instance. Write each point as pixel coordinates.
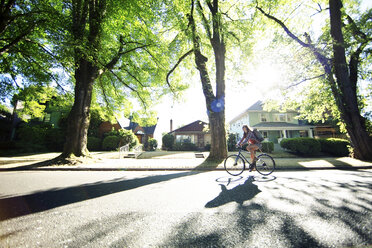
(328, 208)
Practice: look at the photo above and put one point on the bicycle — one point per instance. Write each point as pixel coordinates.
(235, 164)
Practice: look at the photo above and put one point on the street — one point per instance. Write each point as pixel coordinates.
(324, 208)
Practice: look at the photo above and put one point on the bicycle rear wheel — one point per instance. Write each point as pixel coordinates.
(265, 164)
(234, 165)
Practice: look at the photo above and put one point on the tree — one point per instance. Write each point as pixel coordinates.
(208, 30)
(341, 77)
(116, 53)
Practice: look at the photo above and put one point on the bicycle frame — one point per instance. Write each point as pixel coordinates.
(240, 154)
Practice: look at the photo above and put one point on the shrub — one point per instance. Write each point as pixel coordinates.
(267, 146)
(186, 146)
(8, 145)
(152, 144)
(94, 143)
(305, 146)
(231, 141)
(125, 137)
(34, 134)
(55, 139)
(168, 141)
(336, 147)
(110, 143)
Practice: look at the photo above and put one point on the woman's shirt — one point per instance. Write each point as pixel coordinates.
(251, 138)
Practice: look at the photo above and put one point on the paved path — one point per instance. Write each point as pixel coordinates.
(328, 208)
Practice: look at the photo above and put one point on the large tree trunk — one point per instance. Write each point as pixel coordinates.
(215, 103)
(78, 119)
(355, 124)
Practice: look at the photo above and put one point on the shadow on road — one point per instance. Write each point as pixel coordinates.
(16, 206)
(238, 194)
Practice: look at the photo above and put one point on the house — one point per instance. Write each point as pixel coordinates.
(194, 132)
(142, 133)
(273, 125)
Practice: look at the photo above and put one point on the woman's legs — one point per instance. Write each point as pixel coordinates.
(252, 149)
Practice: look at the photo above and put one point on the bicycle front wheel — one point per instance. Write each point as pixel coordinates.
(265, 164)
(234, 165)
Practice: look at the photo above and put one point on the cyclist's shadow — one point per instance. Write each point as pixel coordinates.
(238, 194)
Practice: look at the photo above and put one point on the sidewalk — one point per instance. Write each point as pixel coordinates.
(30, 163)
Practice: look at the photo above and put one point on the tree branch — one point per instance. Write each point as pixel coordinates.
(175, 66)
(204, 20)
(129, 87)
(306, 79)
(325, 62)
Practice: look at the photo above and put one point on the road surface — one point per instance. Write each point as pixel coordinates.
(328, 208)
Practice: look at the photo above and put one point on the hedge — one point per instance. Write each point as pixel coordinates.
(110, 143)
(94, 143)
(304, 146)
(186, 146)
(267, 146)
(334, 146)
(152, 144)
(168, 141)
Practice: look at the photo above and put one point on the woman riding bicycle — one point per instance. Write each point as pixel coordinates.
(253, 143)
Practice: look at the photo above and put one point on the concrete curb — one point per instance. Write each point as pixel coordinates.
(174, 169)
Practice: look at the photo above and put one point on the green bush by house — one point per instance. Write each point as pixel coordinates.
(110, 143)
(267, 146)
(152, 144)
(168, 141)
(336, 147)
(207, 147)
(125, 137)
(186, 146)
(304, 146)
(231, 141)
(94, 143)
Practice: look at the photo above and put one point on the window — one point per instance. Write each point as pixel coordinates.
(263, 117)
(185, 139)
(264, 134)
(280, 117)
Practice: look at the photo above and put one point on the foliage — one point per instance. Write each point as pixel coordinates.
(94, 143)
(185, 146)
(168, 141)
(334, 146)
(31, 133)
(267, 146)
(152, 144)
(304, 146)
(55, 139)
(231, 141)
(125, 137)
(110, 143)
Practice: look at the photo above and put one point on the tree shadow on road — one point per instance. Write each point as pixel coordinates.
(17, 206)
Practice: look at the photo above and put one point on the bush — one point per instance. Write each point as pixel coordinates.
(304, 146)
(94, 143)
(186, 146)
(110, 143)
(125, 137)
(152, 144)
(231, 141)
(55, 139)
(267, 146)
(168, 141)
(8, 145)
(336, 147)
(34, 134)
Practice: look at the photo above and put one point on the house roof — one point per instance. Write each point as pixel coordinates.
(147, 130)
(257, 106)
(196, 126)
